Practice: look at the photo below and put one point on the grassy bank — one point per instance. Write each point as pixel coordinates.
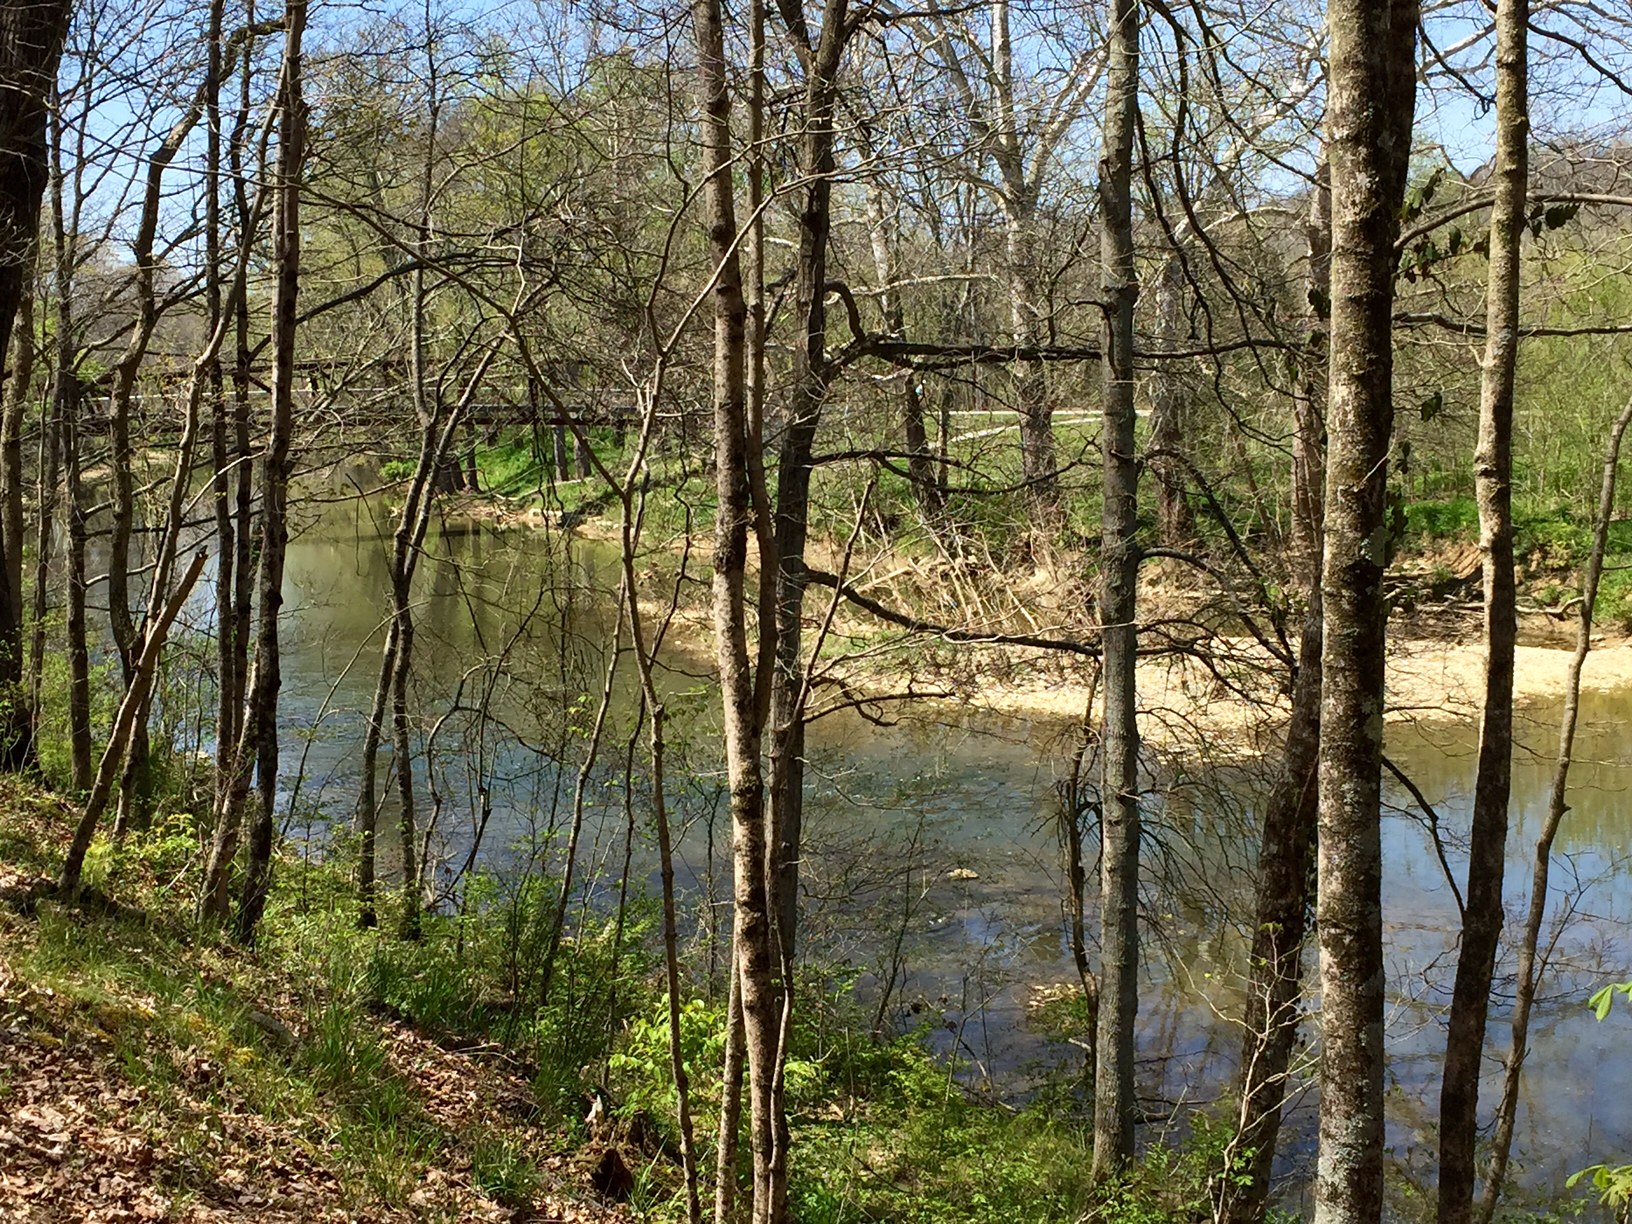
(152, 1069)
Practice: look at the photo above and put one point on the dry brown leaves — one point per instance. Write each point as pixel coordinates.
(79, 1141)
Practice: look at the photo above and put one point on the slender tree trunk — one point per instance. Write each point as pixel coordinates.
(18, 397)
(810, 379)
(243, 558)
(1524, 997)
(1371, 87)
(402, 750)
(750, 499)
(1115, 1107)
(1168, 422)
(1290, 815)
(1037, 458)
(1493, 474)
(914, 438)
(671, 959)
(48, 486)
(275, 478)
(367, 803)
(725, 1162)
(228, 698)
(31, 40)
(124, 725)
(66, 393)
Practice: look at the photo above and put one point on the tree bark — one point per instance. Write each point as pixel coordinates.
(810, 379)
(228, 699)
(48, 487)
(31, 39)
(743, 709)
(367, 801)
(1493, 475)
(1524, 997)
(915, 439)
(1282, 908)
(1115, 1106)
(275, 473)
(66, 395)
(18, 396)
(1371, 97)
(1167, 413)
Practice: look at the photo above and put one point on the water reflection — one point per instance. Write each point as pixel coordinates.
(932, 864)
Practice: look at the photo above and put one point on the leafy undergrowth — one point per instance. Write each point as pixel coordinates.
(149, 1071)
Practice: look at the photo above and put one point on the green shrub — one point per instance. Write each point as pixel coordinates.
(1433, 521)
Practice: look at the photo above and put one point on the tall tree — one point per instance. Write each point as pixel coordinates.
(262, 712)
(1023, 136)
(31, 40)
(744, 693)
(1531, 954)
(1493, 476)
(1114, 1101)
(1371, 84)
(1281, 911)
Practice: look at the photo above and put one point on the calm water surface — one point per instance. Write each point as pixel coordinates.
(932, 861)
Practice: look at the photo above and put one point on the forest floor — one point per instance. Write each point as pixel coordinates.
(150, 1073)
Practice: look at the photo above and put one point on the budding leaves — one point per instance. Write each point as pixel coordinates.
(1603, 999)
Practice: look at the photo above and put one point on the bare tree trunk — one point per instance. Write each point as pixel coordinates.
(739, 433)
(67, 396)
(915, 440)
(31, 39)
(18, 396)
(367, 804)
(243, 559)
(1524, 997)
(275, 480)
(402, 750)
(725, 1163)
(1115, 1106)
(228, 699)
(48, 483)
(1037, 459)
(1493, 473)
(1290, 816)
(671, 960)
(1371, 87)
(1174, 521)
(810, 378)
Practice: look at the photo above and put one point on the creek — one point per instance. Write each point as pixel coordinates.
(932, 862)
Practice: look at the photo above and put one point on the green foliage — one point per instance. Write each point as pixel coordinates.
(1435, 521)
(642, 1062)
(1613, 1183)
(1603, 999)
